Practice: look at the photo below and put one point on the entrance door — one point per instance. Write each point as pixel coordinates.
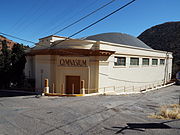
(72, 84)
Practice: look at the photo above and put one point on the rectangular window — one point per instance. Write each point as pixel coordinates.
(154, 61)
(120, 61)
(134, 61)
(162, 61)
(145, 61)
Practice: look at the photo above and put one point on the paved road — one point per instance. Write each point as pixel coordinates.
(95, 115)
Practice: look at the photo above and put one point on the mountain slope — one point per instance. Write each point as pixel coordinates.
(10, 43)
(164, 37)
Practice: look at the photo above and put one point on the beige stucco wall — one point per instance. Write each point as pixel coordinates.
(47, 67)
(30, 67)
(129, 75)
(42, 70)
(89, 73)
(100, 71)
(63, 71)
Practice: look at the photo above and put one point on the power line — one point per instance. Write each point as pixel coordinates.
(22, 20)
(95, 22)
(82, 18)
(24, 15)
(67, 18)
(102, 19)
(91, 25)
(17, 38)
(36, 15)
(77, 31)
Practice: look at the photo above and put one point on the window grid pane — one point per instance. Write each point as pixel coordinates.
(134, 61)
(145, 61)
(120, 61)
(154, 61)
(162, 61)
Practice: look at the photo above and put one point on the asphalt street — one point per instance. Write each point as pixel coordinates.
(93, 115)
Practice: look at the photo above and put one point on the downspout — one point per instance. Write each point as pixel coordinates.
(89, 77)
(166, 69)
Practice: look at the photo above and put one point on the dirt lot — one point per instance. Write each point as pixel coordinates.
(107, 115)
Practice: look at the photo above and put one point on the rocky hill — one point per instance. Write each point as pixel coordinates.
(10, 43)
(164, 37)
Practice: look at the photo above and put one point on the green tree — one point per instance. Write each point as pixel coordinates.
(5, 65)
(12, 64)
(18, 64)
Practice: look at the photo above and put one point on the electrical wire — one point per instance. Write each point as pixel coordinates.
(91, 25)
(35, 16)
(17, 38)
(53, 20)
(84, 17)
(95, 22)
(79, 30)
(22, 20)
(23, 16)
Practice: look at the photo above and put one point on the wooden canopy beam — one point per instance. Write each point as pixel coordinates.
(67, 52)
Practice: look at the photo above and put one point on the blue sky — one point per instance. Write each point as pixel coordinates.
(34, 19)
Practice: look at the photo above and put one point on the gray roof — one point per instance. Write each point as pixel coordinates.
(119, 38)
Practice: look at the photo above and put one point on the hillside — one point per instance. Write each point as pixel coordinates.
(164, 37)
(10, 43)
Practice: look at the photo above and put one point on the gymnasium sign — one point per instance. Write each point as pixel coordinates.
(72, 62)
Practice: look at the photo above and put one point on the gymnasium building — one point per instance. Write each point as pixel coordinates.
(96, 64)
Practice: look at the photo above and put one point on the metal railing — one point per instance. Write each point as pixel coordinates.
(131, 88)
(126, 89)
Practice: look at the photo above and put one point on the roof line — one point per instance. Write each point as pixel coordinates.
(128, 46)
(51, 36)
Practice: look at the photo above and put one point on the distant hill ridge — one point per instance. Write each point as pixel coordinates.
(164, 37)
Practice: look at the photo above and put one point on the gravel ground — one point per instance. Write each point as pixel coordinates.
(95, 115)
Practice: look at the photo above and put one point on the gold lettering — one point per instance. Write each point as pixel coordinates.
(62, 62)
(84, 62)
(73, 62)
(79, 63)
(67, 62)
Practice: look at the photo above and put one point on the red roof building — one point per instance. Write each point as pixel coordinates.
(10, 43)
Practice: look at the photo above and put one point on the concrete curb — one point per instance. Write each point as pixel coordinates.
(113, 93)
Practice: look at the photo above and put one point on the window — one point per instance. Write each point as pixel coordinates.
(162, 61)
(145, 61)
(120, 61)
(154, 61)
(134, 61)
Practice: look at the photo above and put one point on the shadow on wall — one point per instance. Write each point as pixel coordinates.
(142, 126)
